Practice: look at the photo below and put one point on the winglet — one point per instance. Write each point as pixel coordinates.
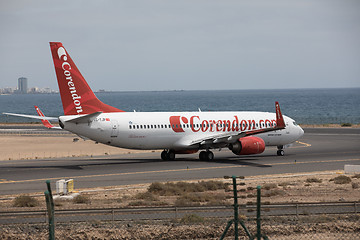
(279, 117)
(44, 121)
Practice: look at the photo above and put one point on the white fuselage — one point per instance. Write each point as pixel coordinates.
(178, 130)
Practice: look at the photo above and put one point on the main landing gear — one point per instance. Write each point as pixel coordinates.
(206, 155)
(168, 155)
(280, 151)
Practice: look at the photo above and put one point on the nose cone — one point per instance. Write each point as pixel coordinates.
(301, 132)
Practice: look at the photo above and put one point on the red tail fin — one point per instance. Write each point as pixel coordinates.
(279, 118)
(76, 95)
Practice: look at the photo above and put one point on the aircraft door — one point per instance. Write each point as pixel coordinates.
(114, 128)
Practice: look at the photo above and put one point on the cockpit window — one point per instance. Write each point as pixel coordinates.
(295, 124)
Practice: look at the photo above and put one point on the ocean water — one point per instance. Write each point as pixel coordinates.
(306, 106)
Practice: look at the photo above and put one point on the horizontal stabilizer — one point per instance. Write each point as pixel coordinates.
(32, 116)
(84, 118)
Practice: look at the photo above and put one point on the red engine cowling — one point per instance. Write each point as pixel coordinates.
(247, 146)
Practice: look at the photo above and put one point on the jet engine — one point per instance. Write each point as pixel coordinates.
(247, 146)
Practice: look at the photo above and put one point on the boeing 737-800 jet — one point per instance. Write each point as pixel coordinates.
(175, 132)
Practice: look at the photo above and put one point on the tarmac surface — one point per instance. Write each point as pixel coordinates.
(320, 149)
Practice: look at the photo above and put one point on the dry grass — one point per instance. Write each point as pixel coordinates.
(179, 188)
(25, 201)
(81, 199)
(313, 180)
(269, 186)
(342, 179)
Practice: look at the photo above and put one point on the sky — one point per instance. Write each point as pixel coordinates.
(138, 45)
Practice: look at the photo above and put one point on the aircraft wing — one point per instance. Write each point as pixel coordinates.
(233, 137)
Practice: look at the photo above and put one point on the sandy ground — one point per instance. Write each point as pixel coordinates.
(15, 147)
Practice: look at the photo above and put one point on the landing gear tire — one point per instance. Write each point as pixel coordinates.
(164, 155)
(280, 152)
(171, 155)
(206, 155)
(202, 155)
(167, 155)
(210, 155)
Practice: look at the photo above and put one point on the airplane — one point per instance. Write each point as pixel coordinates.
(244, 133)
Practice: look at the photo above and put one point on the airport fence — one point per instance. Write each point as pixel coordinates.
(337, 220)
(253, 220)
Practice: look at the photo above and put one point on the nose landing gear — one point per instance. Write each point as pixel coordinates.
(280, 151)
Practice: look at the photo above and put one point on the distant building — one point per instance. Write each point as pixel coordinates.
(34, 90)
(22, 85)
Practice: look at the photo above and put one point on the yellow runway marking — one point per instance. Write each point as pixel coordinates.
(174, 170)
(303, 145)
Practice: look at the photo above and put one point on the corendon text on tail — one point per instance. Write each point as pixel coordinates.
(67, 73)
(174, 132)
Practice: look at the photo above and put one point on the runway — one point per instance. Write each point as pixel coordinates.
(320, 149)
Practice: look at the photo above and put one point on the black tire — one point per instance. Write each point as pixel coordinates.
(280, 152)
(202, 155)
(164, 155)
(171, 155)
